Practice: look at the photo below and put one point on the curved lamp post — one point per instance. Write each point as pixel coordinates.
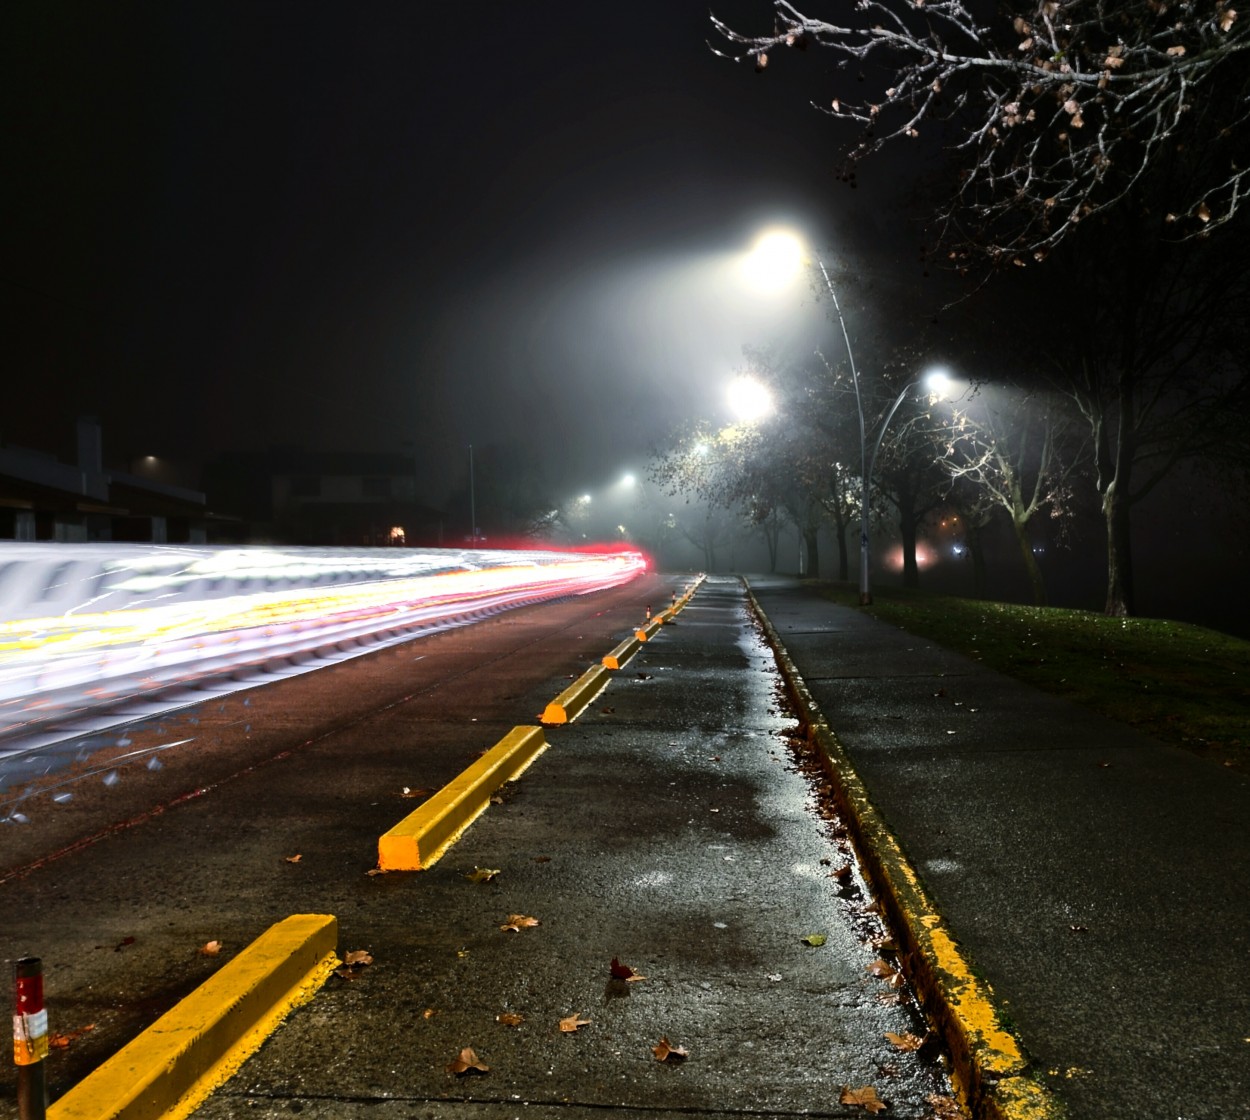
(776, 257)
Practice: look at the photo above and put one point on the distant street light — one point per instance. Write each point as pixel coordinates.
(774, 260)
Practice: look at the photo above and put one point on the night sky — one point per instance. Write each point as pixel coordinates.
(364, 226)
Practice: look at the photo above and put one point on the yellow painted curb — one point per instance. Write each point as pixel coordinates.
(621, 654)
(423, 836)
(990, 1070)
(565, 707)
(172, 1067)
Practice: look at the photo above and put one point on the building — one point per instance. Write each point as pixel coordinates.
(338, 498)
(44, 499)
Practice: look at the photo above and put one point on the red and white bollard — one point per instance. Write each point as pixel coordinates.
(30, 1040)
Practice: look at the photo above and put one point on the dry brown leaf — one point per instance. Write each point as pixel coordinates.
(428, 1013)
(881, 969)
(60, 1040)
(210, 948)
(905, 1041)
(570, 1023)
(944, 1108)
(665, 1051)
(1226, 18)
(1176, 52)
(510, 1018)
(352, 964)
(624, 972)
(416, 792)
(865, 1098)
(482, 874)
(467, 1062)
(518, 922)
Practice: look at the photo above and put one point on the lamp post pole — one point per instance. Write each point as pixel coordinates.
(865, 464)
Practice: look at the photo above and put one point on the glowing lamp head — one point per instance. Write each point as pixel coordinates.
(938, 383)
(749, 399)
(775, 260)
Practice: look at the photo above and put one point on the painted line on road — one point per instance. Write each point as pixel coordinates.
(990, 1069)
(171, 1068)
(422, 837)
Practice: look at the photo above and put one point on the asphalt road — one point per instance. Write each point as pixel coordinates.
(670, 826)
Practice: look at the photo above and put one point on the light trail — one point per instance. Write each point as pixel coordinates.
(178, 616)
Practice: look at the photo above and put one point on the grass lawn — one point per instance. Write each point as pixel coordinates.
(1181, 684)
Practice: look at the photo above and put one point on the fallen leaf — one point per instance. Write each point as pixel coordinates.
(482, 874)
(518, 922)
(570, 1023)
(510, 1018)
(60, 1040)
(841, 873)
(375, 871)
(624, 972)
(814, 939)
(496, 799)
(210, 948)
(542, 859)
(352, 964)
(906, 1041)
(416, 792)
(665, 1051)
(865, 1098)
(123, 943)
(882, 969)
(428, 1013)
(295, 858)
(467, 1062)
(944, 1108)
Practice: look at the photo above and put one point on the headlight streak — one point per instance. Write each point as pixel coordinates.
(57, 667)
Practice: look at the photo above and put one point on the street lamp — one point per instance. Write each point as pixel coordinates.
(774, 259)
(749, 399)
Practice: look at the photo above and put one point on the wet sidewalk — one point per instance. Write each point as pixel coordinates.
(1099, 880)
(670, 829)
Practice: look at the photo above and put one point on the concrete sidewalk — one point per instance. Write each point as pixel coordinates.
(1097, 879)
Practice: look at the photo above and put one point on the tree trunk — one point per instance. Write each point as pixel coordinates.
(975, 543)
(1115, 508)
(1030, 562)
(810, 539)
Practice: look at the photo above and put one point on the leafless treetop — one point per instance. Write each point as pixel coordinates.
(1059, 108)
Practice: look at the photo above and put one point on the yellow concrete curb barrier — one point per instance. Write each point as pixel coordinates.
(565, 707)
(621, 654)
(646, 633)
(990, 1070)
(422, 837)
(173, 1066)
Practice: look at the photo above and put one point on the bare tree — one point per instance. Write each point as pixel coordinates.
(1058, 109)
(1021, 452)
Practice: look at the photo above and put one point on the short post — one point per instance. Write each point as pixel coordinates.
(30, 1040)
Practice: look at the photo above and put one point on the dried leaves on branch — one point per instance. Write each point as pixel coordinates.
(1058, 109)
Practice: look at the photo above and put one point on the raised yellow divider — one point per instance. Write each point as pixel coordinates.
(646, 633)
(565, 707)
(424, 835)
(172, 1067)
(621, 654)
